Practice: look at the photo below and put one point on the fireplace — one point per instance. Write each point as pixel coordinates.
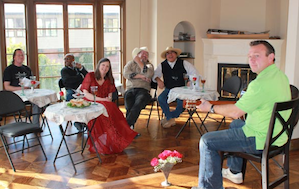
(226, 70)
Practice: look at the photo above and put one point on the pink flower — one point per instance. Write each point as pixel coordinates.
(176, 154)
(155, 162)
(165, 154)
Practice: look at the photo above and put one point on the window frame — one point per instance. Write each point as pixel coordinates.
(31, 29)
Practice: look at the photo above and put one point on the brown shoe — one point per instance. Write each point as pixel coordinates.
(169, 123)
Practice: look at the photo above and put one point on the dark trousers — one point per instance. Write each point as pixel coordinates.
(135, 100)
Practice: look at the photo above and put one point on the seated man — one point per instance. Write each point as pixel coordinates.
(13, 73)
(72, 75)
(270, 86)
(138, 73)
(172, 69)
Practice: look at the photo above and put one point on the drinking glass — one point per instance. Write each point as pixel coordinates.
(22, 85)
(203, 81)
(186, 77)
(94, 90)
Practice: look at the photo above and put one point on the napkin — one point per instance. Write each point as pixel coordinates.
(27, 82)
(78, 91)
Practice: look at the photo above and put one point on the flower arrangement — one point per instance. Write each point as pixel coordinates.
(61, 94)
(194, 80)
(167, 156)
(32, 83)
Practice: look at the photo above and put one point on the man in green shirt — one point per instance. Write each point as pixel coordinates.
(270, 86)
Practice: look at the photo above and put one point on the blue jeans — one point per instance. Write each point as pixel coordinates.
(233, 140)
(69, 94)
(162, 99)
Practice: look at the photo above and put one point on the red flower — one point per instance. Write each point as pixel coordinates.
(176, 154)
(165, 154)
(33, 82)
(194, 78)
(61, 93)
(155, 162)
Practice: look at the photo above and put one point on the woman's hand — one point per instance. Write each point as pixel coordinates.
(88, 95)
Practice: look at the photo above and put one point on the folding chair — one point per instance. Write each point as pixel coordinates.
(154, 99)
(11, 103)
(231, 85)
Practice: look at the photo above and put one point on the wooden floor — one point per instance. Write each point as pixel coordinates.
(129, 169)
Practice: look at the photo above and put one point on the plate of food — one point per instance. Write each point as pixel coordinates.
(78, 95)
(78, 103)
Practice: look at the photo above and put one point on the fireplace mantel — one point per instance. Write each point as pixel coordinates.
(228, 51)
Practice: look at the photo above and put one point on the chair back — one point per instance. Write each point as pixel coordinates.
(60, 84)
(233, 85)
(288, 125)
(10, 103)
(115, 97)
(294, 91)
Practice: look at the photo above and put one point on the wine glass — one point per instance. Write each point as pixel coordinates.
(94, 90)
(22, 85)
(186, 77)
(203, 81)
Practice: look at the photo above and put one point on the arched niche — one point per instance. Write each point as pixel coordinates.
(187, 42)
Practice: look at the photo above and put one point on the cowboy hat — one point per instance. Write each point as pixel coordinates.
(137, 50)
(178, 51)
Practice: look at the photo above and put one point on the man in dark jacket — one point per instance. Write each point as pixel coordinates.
(72, 75)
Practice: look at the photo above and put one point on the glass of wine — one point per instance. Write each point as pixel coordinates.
(22, 85)
(186, 77)
(203, 81)
(94, 90)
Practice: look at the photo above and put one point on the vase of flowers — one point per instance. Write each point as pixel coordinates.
(33, 82)
(194, 78)
(61, 94)
(167, 159)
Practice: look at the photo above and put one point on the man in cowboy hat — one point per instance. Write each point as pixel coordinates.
(138, 73)
(172, 69)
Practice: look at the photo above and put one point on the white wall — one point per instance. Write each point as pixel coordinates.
(292, 57)
(156, 28)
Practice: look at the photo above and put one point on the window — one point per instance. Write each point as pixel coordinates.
(112, 33)
(81, 34)
(14, 29)
(50, 42)
(60, 27)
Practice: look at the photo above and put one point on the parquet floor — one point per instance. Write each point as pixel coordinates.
(129, 169)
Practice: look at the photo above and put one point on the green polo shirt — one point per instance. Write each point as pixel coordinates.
(269, 87)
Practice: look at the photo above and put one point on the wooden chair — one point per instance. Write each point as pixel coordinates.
(270, 151)
(11, 103)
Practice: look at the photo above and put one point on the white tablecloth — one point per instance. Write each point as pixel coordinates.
(59, 113)
(40, 97)
(183, 93)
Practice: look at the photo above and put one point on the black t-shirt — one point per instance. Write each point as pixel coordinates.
(12, 74)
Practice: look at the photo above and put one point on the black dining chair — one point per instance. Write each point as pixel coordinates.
(153, 100)
(271, 151)
(11, 103)
(231, 85)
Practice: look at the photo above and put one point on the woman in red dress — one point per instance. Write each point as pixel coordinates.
(111, 134)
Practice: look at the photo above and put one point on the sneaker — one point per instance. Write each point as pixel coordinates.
(163, 121)
(169, 123)
(235, 178)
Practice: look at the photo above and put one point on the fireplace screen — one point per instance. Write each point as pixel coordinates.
(226, 71)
